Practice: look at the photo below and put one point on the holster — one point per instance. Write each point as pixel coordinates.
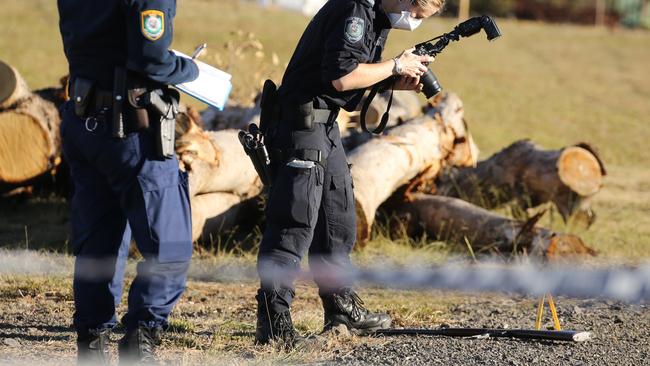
(270, 109)
(156, 110)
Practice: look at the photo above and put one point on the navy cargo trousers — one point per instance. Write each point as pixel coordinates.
(122, 191)
(309, 209)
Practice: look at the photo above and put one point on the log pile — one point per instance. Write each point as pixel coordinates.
(423, 170)
(531, 176)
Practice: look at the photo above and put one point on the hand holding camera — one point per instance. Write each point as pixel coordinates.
(411, 65)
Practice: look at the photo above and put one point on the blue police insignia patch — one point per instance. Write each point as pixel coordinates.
(354, 29)
(152, 24)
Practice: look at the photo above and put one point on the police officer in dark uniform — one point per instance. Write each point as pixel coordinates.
(311, 205)
(115, 134)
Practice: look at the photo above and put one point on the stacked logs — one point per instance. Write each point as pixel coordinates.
(426, 162)
(423, 170)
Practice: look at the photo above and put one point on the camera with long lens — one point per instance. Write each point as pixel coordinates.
(431, 85)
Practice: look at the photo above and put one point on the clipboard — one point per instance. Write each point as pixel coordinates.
(212, 87)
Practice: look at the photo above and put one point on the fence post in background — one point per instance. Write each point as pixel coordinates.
(600, 12)
(645, 14)
(463, 10)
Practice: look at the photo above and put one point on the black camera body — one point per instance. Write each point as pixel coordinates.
(468, 28)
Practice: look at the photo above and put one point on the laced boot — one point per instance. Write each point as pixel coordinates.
(346, 308)
(138, 346)
(274, 326)
(92, 348)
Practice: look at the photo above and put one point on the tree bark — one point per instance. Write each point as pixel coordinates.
(216, 162)
(215, 213)
(453, 220)
(415, 150)
(530, 176)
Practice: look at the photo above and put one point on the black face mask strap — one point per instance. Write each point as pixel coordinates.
(366, 105)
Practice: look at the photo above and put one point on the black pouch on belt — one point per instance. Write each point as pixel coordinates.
(82, 92)
(304, 118)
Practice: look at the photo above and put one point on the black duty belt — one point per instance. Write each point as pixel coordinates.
(101, 100)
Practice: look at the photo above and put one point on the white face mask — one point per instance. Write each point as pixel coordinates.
(404, 21)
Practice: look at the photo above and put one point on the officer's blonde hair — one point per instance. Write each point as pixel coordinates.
(427, 4)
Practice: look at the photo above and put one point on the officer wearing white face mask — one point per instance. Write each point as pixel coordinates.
(311, 203)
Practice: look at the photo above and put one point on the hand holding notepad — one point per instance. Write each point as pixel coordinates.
(212, 87)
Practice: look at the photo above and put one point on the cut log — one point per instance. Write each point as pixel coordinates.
(453, 220)
(13, 87)
(530, 176)
(216, 162)
(29, 140)
(416, 149)
(29, 129)
(217, 213)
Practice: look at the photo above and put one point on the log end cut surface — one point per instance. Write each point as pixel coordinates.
(25, 148)
(579, 169)
(8, 82)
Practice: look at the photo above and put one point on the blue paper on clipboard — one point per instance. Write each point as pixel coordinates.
(212, 87)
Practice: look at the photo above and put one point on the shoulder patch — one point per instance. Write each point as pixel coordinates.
(152, 24)
(355, 28)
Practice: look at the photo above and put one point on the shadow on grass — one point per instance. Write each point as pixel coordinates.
(20, 332)
(36, 222)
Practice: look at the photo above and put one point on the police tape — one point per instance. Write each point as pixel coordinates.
(628, 284)
(623, 283)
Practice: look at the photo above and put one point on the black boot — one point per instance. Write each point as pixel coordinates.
(92, 348)
(275, 326)
(138, 346)
(345, 307)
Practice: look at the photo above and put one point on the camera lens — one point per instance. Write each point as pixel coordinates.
(431, 85)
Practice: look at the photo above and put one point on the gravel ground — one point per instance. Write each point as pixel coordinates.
(214, 324)
(620, 336)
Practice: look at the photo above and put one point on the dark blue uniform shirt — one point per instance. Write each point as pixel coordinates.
(99, 35)
(342, 35)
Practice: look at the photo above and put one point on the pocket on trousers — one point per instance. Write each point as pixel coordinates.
(169, 219)
(341, 213)
(292, 202)
(340, 195)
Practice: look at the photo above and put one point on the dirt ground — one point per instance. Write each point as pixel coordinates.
(214, 324)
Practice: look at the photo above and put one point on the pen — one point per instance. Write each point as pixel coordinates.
(199, 50)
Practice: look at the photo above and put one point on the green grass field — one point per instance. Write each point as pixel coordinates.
(554, 84)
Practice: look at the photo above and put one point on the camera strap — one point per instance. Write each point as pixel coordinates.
(366, 105)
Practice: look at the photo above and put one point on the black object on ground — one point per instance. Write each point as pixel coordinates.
(550, 335)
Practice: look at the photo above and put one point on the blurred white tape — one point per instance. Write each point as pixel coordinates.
(628, 284)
